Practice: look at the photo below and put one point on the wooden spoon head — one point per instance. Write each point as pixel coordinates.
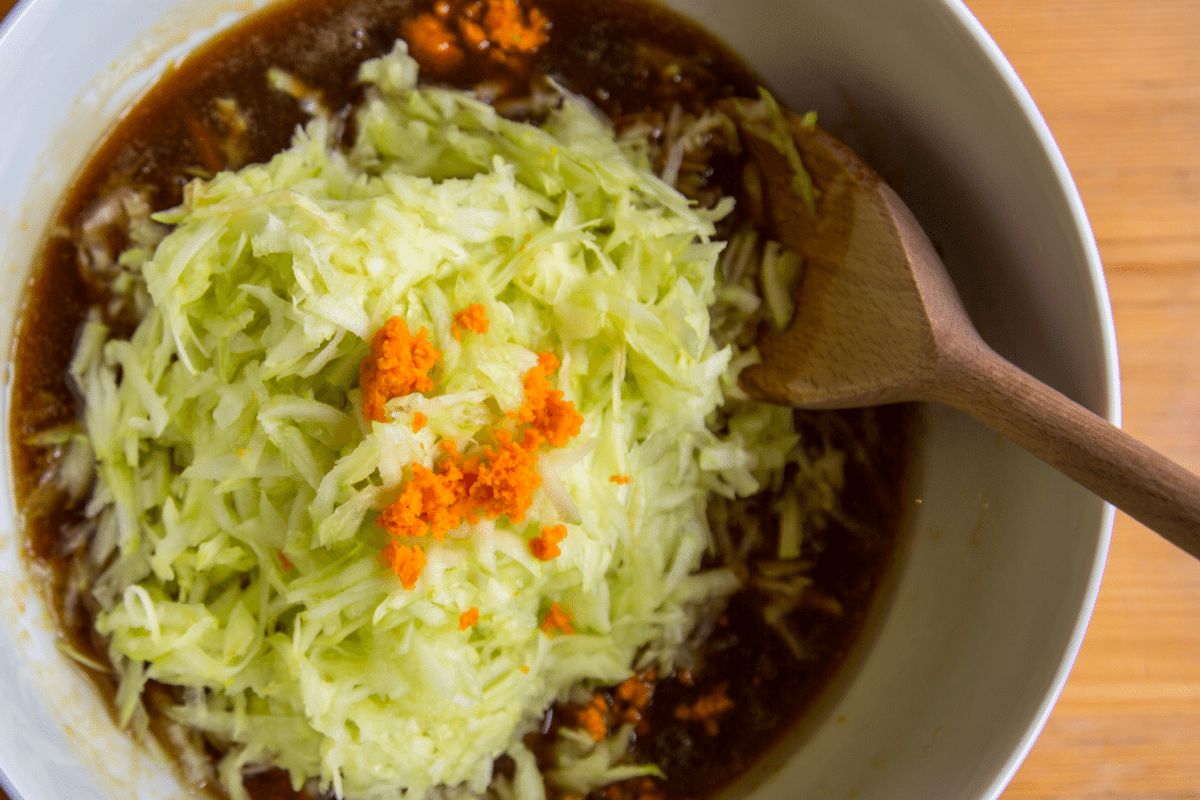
(873, 299)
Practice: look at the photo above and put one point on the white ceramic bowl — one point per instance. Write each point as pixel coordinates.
(989, 606)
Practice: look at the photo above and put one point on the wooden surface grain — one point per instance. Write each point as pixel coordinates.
(1119, 84)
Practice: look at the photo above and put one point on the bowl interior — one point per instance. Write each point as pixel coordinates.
(1004, 554)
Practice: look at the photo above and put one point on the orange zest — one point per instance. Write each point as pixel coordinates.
(432, 43)
(707, 710)
(498, 480)
(511, 30)
(545, 546)
(557, 620)
(407, 562)
(619, 479)
(472, 318)
(626, 703)
(491, 481)
(637, 690)
(506, 479)
(425, 507)
(399, 364)
(593, 718)
(285, 561)
(632, 698)
(545, 409)
(503, 31)
(468, 618)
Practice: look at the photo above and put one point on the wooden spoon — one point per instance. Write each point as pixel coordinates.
(878, 321)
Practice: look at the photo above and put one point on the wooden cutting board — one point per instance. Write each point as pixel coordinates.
(1119, 84)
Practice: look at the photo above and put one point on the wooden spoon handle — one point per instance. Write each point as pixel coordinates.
(1143, 483)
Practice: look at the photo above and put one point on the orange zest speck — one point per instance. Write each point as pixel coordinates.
(507, 31)
(557, 620)
(432, 43)
(512, 30)
(525, 668)
(473, 35)
(632, 698)
(494, 480)
(504, 481)
(707, 710)
(404, 560)
(399, 364)
(545, 409)
(621, 479)
(497, 480)
(425, 507)
(468, 618)
(285, 561)
(545, 546)
(472, 318)
(637, 690)
(593, 718)
(501, 480)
